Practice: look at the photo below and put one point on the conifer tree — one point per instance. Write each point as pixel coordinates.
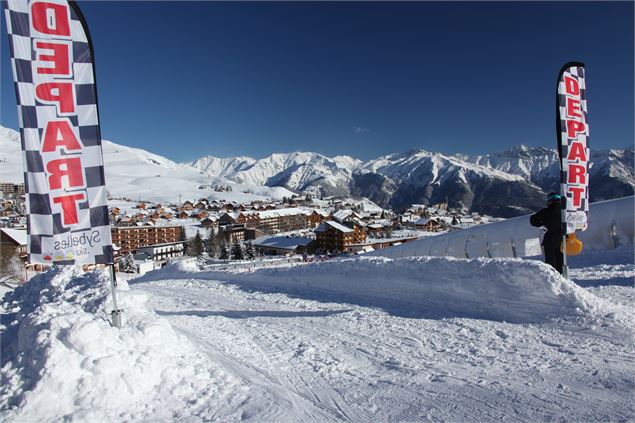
(237, 251)
(249, 251)
(127, 263)
(195, 246)
(224, 254)
(212, 245)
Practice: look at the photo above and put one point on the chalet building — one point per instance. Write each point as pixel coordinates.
(139, 216)
(428, 224)
(228, 219)
(215, 206)
(14, 239)
(209, 222)
(247, 219)
(186, 206)
(141, 206)
(130, 239)
(125, 221)
(183, 215)
(318, 216)
(346, 216)
(333, 236)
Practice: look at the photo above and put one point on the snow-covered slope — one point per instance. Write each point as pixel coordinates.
(62, 361)
(226, 168)
(138, 174)
(364, 339)
(10, 156)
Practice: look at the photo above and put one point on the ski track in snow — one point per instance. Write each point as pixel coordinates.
(305, 360)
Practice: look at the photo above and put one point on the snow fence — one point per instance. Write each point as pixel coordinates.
(611, 224)
(62, 361)
(512, 290)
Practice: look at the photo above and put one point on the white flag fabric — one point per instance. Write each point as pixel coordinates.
(53, 70)
(573, 145)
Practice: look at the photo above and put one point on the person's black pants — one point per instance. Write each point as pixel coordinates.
(553, 256)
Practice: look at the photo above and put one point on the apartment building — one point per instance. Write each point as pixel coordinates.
(282, 220)
(132, 238)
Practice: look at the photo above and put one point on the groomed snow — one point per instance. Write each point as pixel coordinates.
(365, 339)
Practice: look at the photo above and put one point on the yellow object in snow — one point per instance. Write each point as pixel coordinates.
(574, 245)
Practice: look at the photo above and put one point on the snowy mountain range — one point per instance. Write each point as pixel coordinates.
(508, 183)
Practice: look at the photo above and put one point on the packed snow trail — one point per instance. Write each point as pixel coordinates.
(319, 361)
(260, 346)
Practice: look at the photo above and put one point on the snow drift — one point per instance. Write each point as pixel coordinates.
(512, 290)
(611, 224)
(62, 359)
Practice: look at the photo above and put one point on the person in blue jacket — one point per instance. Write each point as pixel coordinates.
(551, 218)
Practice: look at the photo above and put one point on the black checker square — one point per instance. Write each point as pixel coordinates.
(89, 135)
(81, 52)
(99, 216)
(58, 227)
(39, 204)
(29, 116)
(85, 94)
(23, 70)
(34, 163)
(20, 23)
(94, 176)
(36, 244)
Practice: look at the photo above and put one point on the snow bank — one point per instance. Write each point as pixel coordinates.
(61, 359)
(611, 224)
(512, 290)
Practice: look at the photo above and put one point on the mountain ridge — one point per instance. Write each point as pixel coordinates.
(505, 184)
(521, 174)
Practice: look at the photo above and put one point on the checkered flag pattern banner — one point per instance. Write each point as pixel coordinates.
(52, 61)
(573, 145)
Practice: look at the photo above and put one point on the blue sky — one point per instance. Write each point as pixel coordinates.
(363, 78)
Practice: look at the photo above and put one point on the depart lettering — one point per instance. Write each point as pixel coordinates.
(577, 159)
(60, 146)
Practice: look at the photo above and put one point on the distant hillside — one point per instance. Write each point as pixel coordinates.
(139, 174)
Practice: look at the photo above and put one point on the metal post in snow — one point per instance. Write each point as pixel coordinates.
(563, 218)
(116, 312)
